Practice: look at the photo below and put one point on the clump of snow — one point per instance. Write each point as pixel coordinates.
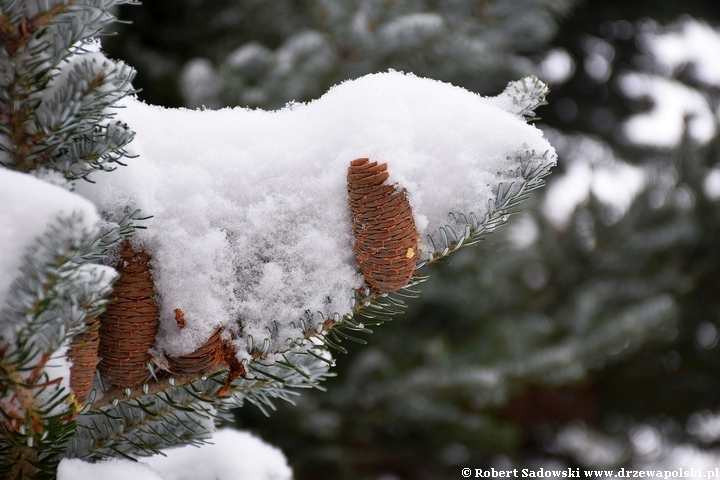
(199, 82)
(704, 425)
(114, 469)
(251, 223)
(556, 67)
(677, 110)
(29, 205)
(233, 455)
(523, 231)
(688, 42)
(599, 57)
(711, 184)
(591, 167)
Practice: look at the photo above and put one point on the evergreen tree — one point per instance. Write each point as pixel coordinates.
(265, 54)
(79, 318)
(597, 308)
(598, 311)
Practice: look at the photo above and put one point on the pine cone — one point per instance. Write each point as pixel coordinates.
(215, 354)
(84, 355)
(384, 227)
(129, 325)
(202, 360)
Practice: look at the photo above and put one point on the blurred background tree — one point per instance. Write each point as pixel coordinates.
(582, 335)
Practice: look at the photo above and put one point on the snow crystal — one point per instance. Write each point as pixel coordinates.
(251, 219)
(28, 206)
(233, 455)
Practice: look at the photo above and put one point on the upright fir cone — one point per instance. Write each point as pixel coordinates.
(84, 355)
(129, 325)
(382, 221)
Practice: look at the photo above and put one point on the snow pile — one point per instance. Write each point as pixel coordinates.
(233, 455)
(591, 168)
(556, 67)
(642, 447)
(251, 224)
(678, 110)
(29, 205)
(690, 42)
(114, 469)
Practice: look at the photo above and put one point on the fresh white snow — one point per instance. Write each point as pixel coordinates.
(233, 455)
(678, 110)
(689, 42)
(113, 469)
(556, 67)
(29, 206)
(251, 222)
(591, 168)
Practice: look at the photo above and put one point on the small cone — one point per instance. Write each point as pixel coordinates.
(129, 325)
(215, 352)
(84, 355)
(384, 227)
(202, 360)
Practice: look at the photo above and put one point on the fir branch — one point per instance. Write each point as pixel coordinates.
(17, 31)
(70, 133)
(49, 304)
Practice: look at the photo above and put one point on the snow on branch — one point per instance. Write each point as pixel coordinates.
(251, 230)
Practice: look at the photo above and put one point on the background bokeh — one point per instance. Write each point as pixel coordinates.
(584, 333)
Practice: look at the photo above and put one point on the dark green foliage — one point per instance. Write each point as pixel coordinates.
(265, 54)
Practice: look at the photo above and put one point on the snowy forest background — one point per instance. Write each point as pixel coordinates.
(583, 334)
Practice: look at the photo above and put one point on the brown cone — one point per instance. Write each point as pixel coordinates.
(84, 355)
(129, 325)
(384, 227)
(202, 360)
(216, 352)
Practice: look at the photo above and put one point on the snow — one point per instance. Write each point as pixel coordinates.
(29, 205)
(523, 231)
(598, 61)
(690, 42)
(678, 110)
(251, 221)
(556, 67)
(711, 184)
(591, 167)
(199, 83)
(233, 455)
(647, 446)
(114, 469)
(409, 31)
